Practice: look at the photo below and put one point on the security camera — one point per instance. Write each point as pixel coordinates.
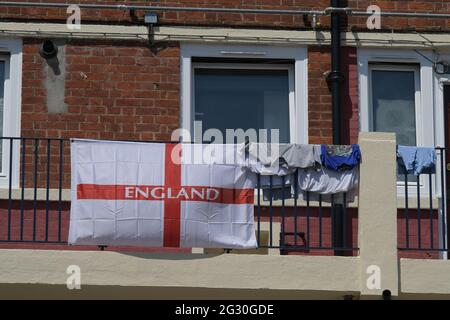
(48, 49)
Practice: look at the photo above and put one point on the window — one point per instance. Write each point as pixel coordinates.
(245, 87)
(399, 84)
(396, 95)
(10, 102)
(246, 97)
(394, 91)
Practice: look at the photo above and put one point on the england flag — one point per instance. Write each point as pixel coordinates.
(163, 195)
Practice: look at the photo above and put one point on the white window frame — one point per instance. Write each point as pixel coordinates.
(440, 82)
(403, 59)
(11, 53)
(298, 78)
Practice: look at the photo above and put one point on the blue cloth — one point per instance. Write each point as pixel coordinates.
(406, 156)
(340, 158)
(416, 160)
(425, 161)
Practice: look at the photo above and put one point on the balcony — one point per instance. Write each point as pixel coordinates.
(35, 208)
(307, 249)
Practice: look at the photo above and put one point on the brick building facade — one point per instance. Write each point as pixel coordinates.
(120, 86)
(121, 90)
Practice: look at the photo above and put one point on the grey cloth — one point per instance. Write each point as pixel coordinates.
(277, 181)
(299, 155)
(330, 184)
(338, 198)
(327, 181)
(277, 194)
(279, 190)
(287, 192)
(271, 157)
(266, 171)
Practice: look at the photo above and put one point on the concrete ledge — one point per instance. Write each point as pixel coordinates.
(38, 291)
(425, 276)
(331, 275)
(41, 194)
(41, 274)
(412, 202)
(229, 35)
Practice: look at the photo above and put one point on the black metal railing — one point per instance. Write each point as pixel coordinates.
(35, 204)
(422, 220)
(35, 169)
(308, 223)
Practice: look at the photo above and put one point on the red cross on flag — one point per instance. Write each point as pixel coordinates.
(164, 195)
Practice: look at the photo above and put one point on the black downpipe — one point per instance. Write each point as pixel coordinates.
(335, 79)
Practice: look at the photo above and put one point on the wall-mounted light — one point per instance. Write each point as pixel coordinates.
(151, 19)
(442, 67)
(48, 50)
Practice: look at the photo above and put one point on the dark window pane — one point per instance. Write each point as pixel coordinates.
(243, 99)
(393, 101)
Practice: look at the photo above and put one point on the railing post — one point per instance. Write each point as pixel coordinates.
(377, 230)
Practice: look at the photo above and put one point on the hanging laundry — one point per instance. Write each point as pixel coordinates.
(278, 188)
(406, 156)
(416, 160)
(326, 182)
(425, 161)
(256, 167)
(277, 181)
(340, 157)
(299, 156)
(337, 198)
(280, 159)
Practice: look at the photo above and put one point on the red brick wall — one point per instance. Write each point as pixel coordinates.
(429, 234)
(35, 224)
(319, 96)
(314, 241)
(236, 19)
(113, 91)
(320, 230)
(388, 23)
(184, 18)
(123, 91)
(116, 91)
(350, 115)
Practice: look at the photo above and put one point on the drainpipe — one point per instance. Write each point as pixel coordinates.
(335, 79)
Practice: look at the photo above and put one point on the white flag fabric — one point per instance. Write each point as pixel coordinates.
(143, 194)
